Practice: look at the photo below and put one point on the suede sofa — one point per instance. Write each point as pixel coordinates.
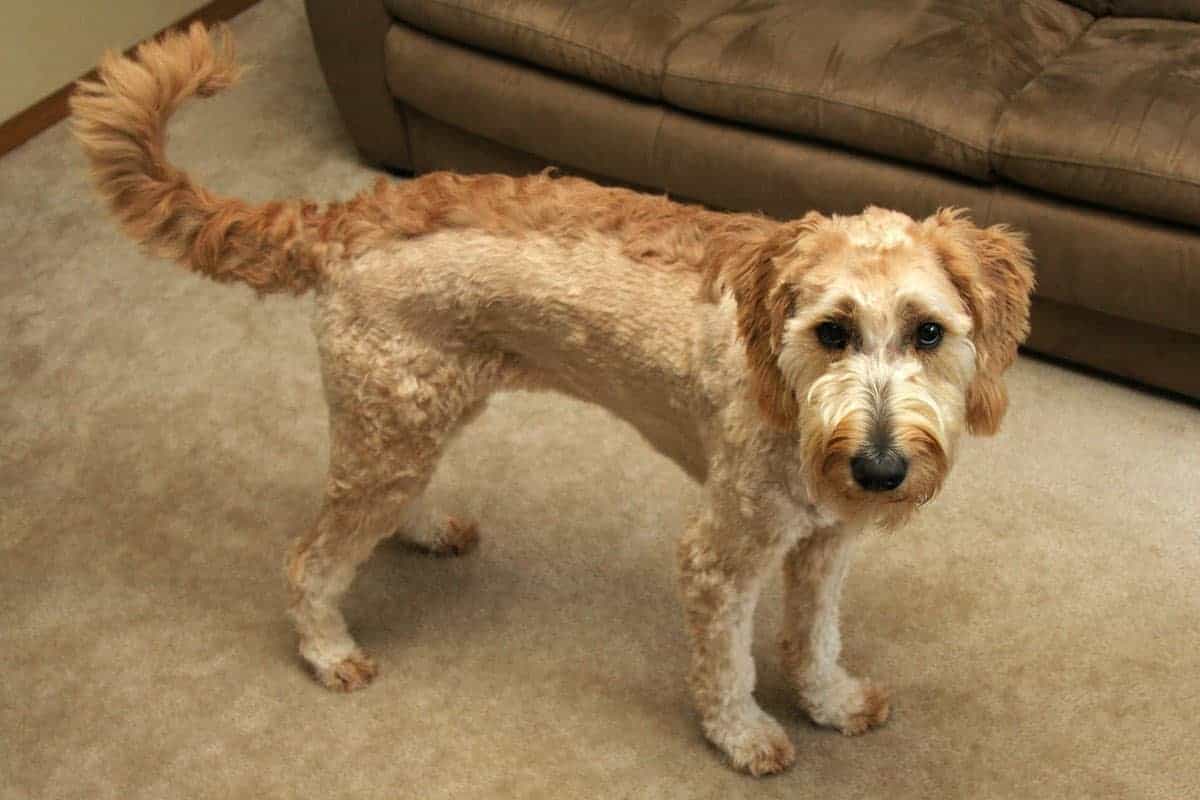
(1077, 122)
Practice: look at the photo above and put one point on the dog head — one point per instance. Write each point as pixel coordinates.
(880, 339)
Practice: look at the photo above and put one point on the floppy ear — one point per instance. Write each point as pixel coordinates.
(745, 262)
(993, 271)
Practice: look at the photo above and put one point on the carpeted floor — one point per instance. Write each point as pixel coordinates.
(164, 438)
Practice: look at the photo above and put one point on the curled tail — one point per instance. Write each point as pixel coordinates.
(120, 120)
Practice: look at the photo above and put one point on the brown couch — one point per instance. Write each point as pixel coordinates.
(1077, 122)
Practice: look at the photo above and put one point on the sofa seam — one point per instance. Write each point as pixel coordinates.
(662, 78)
(664, 65)
(1145, 173)
(398, 106)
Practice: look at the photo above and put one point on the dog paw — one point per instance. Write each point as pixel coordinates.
(458, 537)
(354, 672)
(852, 706)
(759, 746)
(438, 534)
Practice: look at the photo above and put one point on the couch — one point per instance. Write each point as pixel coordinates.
(1078, 122)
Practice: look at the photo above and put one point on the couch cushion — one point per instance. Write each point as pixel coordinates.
(1114, 263)
(622, 44)
(919, 80)
(1115, 121)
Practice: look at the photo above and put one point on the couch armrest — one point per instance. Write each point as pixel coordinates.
(348, 35)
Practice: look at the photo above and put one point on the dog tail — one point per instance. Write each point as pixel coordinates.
(120, 120)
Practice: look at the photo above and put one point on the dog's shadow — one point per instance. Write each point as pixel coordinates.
(514, 615)
(516, 606)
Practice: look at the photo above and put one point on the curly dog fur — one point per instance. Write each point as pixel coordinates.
(814, 376)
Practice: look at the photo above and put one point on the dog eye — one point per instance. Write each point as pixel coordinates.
(832, 335)
(929, 335)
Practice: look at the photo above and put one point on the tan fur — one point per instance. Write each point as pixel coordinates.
(745, 262)
(696, 327)
(813, 571)
(991, 268)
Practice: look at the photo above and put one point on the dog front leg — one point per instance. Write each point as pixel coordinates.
(813, 573)
(721, 574)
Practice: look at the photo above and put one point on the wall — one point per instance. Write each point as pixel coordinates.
(45, 44)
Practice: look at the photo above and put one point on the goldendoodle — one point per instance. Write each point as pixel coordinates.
(814, 376)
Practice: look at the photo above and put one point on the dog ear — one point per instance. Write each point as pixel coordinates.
(993, 271)
(748, 267)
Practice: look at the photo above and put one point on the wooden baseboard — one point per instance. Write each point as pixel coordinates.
(17, 130)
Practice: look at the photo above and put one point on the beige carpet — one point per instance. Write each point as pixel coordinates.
(164, 438)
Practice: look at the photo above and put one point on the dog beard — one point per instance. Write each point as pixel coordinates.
(868, 406)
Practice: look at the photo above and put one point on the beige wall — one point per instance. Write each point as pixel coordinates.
(45, 44)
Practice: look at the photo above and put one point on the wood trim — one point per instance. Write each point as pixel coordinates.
(17, 130)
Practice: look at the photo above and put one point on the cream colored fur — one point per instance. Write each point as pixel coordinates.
(698, 328)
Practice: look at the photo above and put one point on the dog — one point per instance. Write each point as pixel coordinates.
(814, 376)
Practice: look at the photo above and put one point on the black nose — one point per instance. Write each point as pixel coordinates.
(879, 472)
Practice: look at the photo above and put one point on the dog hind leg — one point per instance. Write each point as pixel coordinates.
(392, 410)
(321, 567)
